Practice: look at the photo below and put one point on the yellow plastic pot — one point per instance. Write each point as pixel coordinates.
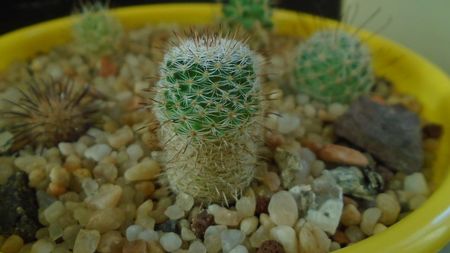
(425, 230)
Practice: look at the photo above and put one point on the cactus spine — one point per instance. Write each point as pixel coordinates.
(248, 13)
(208, 101)
(97, 33)
(334, 66)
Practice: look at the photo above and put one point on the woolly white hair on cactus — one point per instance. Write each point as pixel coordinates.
(208, 104)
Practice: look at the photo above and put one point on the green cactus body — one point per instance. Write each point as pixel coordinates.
(248, 13)
(97, 33)
(334, 66)
(208, 105)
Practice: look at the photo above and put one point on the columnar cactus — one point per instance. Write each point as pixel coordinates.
(333, 66)
(208, 103)
(248, 13)
(97, 33)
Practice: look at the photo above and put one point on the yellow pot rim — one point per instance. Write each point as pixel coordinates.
(424, 230)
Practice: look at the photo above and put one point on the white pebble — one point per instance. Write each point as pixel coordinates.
(416, 183)
(187, 234)
(66, 148)
(286, 236)
(147, 169)
(213, 239)
(336, 109)
(239, 249)
(42, 246)
(328, 216)
(288, 123)
(231, 238)
(174, 212)
(197, 247)
(133, 231)
(170, 241)
(148, 235)
(184, 201)
(283, 209)
(246, 205)
(249, 225)
(135, 152)
(97, 152)
(309, 110)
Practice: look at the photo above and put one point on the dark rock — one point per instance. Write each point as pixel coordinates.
(262, 205)
(356, 182)
(18, 208)
(432, 131)
(392, 134)
(270, 246)
(200, 223)
(169, 226)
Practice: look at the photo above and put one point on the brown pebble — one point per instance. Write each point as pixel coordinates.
(139, 246)
(341, 238)
(107, 67)
(385, 173)
(342, 155)
(432, 131)
(350, 215)
(313, 146)
(201, 222)
(270, 246)
(55, 189)
(274, 140)
(348, 200)
(262, 205)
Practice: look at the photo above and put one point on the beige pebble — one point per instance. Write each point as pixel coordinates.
(286, 236)
(249, 225)
(60, 176)
(12, 244)
(272, 181)
(111, 242)
(416, 183)
(350, 215)
(147, 188)
(342, 155)
(370, 217)
(106, 219)
(146, 170)
(390, 208)
(138, 246)
(379, 228)
(44, 246)
(259, 236)
(354, 234)
(246, 205)
(416, 201)
(283, 209)
(121, 137)
(223, 216)
(108, 196)
(86, 241)
(312, 239)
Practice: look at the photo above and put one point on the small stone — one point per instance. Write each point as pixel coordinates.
(327, 217)
(354, 234)
(341, 238)
(54, 211)
(12, 244)
(97, 152)
(392, 134)
(283, 209)
(201, 222)
(416, 201)
(86, 241)
(416, 183)
(223, 216)
(212, 240)
(271, 180)
(305, 198)
(135, 152)
(231, 238)
(110, 242)
(138, 246)
(360, 183)
(184, 201)
(148, 235)
(288, 123)
(249, 225)
(291, 167)
(169, 226)
(246, 205)
(390, 208)
(370, 217)
(313, 240)
(174, 212)
(187, 234)
(286, 236)
(121, 137)
(270, 246)
(170, 241)
(239, 249)
(379, 228)
(262, 205)
(45, 246)
(104, 220)
(108, 196)
(350, 215)
(146, 170)
(261, 235)
(106, 171)
(197, 247)
(432, 131)
(133, 231)
(342, 155)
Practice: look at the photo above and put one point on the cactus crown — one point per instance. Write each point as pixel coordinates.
(334, 66)
(97, 32)
(209, 88)
(248, 13)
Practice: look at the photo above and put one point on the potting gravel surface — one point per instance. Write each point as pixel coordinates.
(105, 192)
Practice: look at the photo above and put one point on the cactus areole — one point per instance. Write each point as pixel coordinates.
(208, 103)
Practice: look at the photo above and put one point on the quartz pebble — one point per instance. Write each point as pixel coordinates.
(342, 155)
(212, 240)
(390, 208)
(187, 234)
(286, 236)
(104, 220)
(135, 152)
(184, 201)
(121, 137)
(86, 241)
(97, 152)
(327, 216)
(283, 209)
(288, 123)
(312, 239)
(272, 181)
(354, 234)
(146, 170)
(246, 205)
(174, 212)
(378, 228)
(110, 242)
(133, 231)
(148, 235)
(170, 242)
(416, 201)
(138, 246)
(239, 249)
(249, 225)
(223, 216)
(197, 247)
(370, 217)
(350, 215)
(416, 183)
(45, 246)
(259, 236)
(12, 244)
(108, 196)
(231, 238)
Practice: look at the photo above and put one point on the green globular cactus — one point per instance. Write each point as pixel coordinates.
(208, 103)
(333, 66)
(248, 13)
(97, 33)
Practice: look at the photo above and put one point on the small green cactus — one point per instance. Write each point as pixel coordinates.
(333, 66)
(248, 13)
(208, 103)
(97, 33)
